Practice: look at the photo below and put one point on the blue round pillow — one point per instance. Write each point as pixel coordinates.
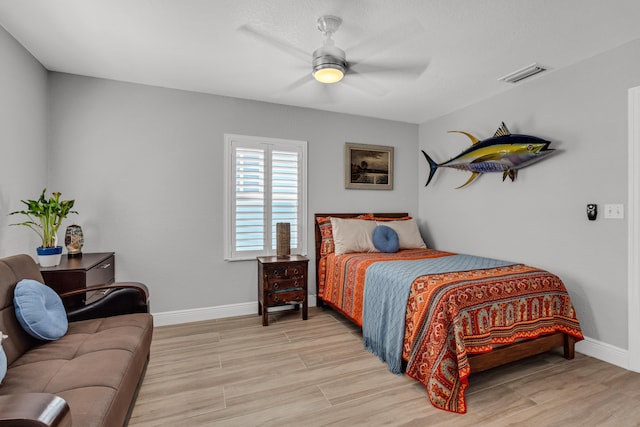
(39, 310)
(385, 239)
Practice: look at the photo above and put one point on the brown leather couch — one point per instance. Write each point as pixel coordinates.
(90, 376)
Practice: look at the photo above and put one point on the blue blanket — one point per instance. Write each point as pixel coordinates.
(386, 291)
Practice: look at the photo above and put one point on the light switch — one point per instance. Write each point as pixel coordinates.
(614, 211)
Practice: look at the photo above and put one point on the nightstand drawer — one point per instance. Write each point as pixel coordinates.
(285, 272)
(285, 297)
(79, 272)
(275, 284)
(102, 273)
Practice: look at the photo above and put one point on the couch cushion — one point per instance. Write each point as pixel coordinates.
(12, 269)
(95, 367)
(3, 358)
(39, 310)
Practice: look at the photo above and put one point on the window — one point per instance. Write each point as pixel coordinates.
(265, 183)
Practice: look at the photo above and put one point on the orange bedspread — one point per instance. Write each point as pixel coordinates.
(451, 315)
(342, 277)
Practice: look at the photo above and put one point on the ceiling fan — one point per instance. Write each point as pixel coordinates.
(329, 63)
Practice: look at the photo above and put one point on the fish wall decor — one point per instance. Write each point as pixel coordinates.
(503, 152)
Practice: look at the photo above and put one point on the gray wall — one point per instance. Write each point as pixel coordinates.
(540, 219)
(145, 165)
(23, 140)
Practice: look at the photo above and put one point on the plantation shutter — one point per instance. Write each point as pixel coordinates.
(266, 185)
(249, 200)
(285, 193)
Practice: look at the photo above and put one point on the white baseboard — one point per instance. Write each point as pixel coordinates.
(603, 351)
(204, 313)
(208, 313)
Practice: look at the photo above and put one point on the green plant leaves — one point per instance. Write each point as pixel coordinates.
(45, 216)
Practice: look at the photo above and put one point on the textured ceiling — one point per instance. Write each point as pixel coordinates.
(454, 50)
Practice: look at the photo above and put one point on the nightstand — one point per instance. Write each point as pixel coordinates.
(282, 281)
(80, 272)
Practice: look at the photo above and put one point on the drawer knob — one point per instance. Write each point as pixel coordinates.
(275, 286)
(275, 298)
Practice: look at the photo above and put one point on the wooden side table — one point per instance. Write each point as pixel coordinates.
(282, 281)
(80, 272)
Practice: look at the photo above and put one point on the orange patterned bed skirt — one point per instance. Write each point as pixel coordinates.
(452, 315)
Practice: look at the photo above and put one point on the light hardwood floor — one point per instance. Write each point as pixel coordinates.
(235, 372)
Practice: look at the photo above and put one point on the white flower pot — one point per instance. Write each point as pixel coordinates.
(49, 257)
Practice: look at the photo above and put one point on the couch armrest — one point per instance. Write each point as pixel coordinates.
(120, 298)
(34, 410)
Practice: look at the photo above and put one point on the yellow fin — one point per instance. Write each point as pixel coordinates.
(511, 173)
(473, 139)
(473, 176)
(502, 130)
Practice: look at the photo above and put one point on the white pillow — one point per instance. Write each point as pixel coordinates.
(408, 233)
(353, 235)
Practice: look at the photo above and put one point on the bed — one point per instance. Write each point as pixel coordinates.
(437, 316)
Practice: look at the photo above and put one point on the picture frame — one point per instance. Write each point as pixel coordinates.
(368, 167)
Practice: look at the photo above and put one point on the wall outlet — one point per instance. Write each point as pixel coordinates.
(614, 211)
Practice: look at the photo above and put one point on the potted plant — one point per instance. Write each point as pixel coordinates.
(44, 217)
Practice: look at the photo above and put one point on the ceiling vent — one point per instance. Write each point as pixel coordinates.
(523, 73)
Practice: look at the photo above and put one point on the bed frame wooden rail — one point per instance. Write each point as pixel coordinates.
(478, 362)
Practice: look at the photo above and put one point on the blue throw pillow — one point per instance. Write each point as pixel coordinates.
(3, 358)
(385, 239)
(40, 310)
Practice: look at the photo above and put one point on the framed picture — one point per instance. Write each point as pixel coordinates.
(368, 167)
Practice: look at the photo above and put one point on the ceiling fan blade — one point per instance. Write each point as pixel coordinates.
(275, 42)
(361, 83)
(326, 91)
(408, 70)
(386, 39)
(320, 93)
(295, 85)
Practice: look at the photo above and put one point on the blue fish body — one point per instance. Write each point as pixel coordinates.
(504, 152)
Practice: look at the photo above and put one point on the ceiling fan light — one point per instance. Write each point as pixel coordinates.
(329, 73)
